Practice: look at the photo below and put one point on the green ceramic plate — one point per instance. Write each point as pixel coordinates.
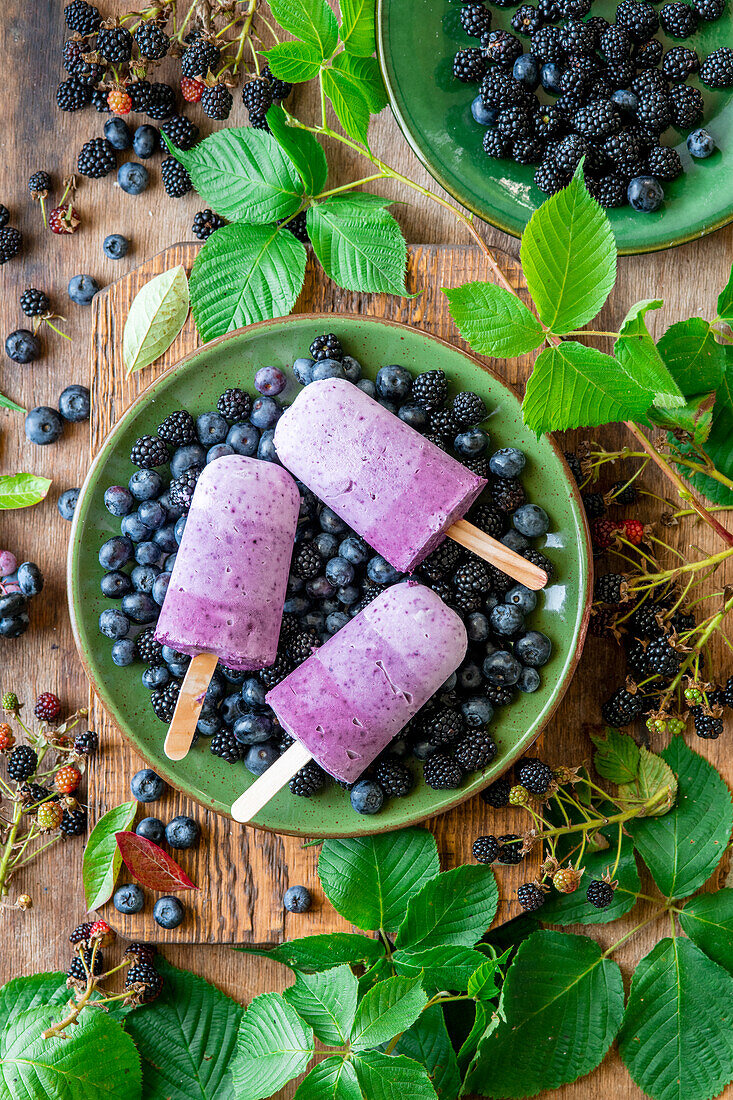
(194, 384)
(433, 111)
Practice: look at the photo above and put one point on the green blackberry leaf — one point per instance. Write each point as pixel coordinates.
(454, 907)
(273, 1047)
(6, 403)
(243, 173)
(440, 967)
(296, 62)
(366, 71)
(493, 321)
(22, 490)
(357, 27)
(349, 103)
(21, 994)
(568, 254)
(359, 246)
(654, 777)
(676, 1040)
(386, 1010)
(485, 1021)
(576, 909)
(693, 356)
(370, 879)
(381, 969)
(245, 273)
(482, 983)
(102, 859)
(332, 1079)
(683, 848)
(725, 301)
(314, 953)
(563, 1004)
(156, 316)
(302, 148)
(187, 1040)
(386, 1077)
(694, 417)
(575, 386)
(708, 921)
(638, 355)
(719, 444)
(326, 1001)
(616, 756)
(427, 1043)
(310, 20)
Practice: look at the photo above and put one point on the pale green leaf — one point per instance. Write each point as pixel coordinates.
(366, 71)
(156, 316)
(386, 1010)
(616, 756)
(493, 321)
(295, 62)
(357, 26)
(693, 357)
(384, 1077)
(302, 148)
(22, 490)
(638, 355)
(349, 103)
(427, 1043)
(314, 953)
(455, 907)
(273, 1046)
(440, 967)
(653, 778)
(245, 273)
(708, 921)
(311, 20)
(568, 255)
(332, 1079)
(102, 859)
(576, 909)
(6, 403)
(363, 252)
(725, 301)
(326, 1001)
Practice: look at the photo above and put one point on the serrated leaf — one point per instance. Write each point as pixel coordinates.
(273, 1046)
(677, 1035)
(485, 1021)
(719, 444)
(102, 859)
(380, 970)
(638, 355)
(694, 417)
(302, 148)
(6, 403)
(150, 865)
(455, 907)
(245, 273)
(296, 62)
(654, 777)
(482, 984)
(332, 1079)
(156, 316)
(96, 1060)
(574, 386)
(187, 1040)
(311, 20)
(357, 26)
(383, 1077)
(315, 953)
(563, 1004)
(493, 321)
(440, 967)
(366, 71)
(725, 301)
(576, 909)
(243, 173)
(708, 921)
(616, 756)
(349, 103)
(693, 357)
(326, 1001)
(427, 1043)
(21, 994)
(683, 848)
(22, 490)
(568, 254)
(369, 880)
(360, 251)
(389, 1008)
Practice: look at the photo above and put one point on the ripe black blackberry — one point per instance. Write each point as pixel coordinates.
(430, 389)
(664, 163)
(96, 159)
(326, 346)
(649, 55)
(485, 848)
(530, 897)
(716, 70)
(234, 405)
(548, 122)
(550, 179)
(498, 695)
(81, 933)
(469, 65)
(200, 58)
(644, 623)
(309, 780)
(258, 96)
(33, 793)
(115, 44)
(301, 645)
(495, 144)
(163, 700)
(307, 562)
(298, 226)
(624, 150)
(73, 94)
(86, 743)
(216, 102)
(478, 465)
(442, 773)
(39, 184)
(527, 19)
(394, 777)
(540, 560)
(141, 952)
(577, 38)
(510, 849)
(621, 708)
(709, 10)
(148, 648)
(602, 622)
(514, 122)
(500, 90)
(82, 17)
(74, 822)
(176, 179)
(469, 409)
(599, 893)
(4, 216)
(181, 489)
(276, 672)
(475, 20)
(501, 48)
(281, 89)
(145, 975)
(475, 751)
(598, 121)
(205, 223)
(148, 452)
(443, 726)
(489, 519)
(34, 303)
(178, 428)
(706, 725)
(152, 41)
(687, 106)
(160, 101)
(615, 44)
(638, 19)
(546, 44)
(225, 745)
(22, 762)
(569, 152)
(678, 20)
(574, 9)
(679, 64)
(550, 10)
(654, 112)
(181, 131)
(497, 793)
(77, 970)
(611, 588)
(535, 775)
(636, 659)
(609, 191)
(442, 560)
(139, 93)
(472, 578)
(507, 494)
(444, 424)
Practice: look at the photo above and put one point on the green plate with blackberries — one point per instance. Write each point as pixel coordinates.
(195, 384)
(417, 41)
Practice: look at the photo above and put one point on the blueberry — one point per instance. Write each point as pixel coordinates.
(506, 619)
(393, 382)
(253, 692)
(347, 594)
(339, 571)
(165, 538)
(351, 368)
(265, 412)
(147, 553)
(266, 447)
(320, 588)
(155, 677)
(336, 620)
(625, 100)
(508, 462)
(303, 370)
(134, 528)
(215, 690)
(115, 552)
(82, 289)
(12, 626)
(526, 71)
(152, 513)
(30, 578)
(354, 550)
(143, 578)
(133, 178)
(450, 683)
(485, 116)
(145, 141)
(472, 442)
(469, 677)
(113, 624)
(124, 652)
(209, 723)
(22, 346)
(296, 605)
(115, 246)
(115, 585)
(67, 503)
(74, 403)
(182, 832)
(423, 750)
(477, 711)
(367, 386)
(477, 627)
(523, 598)
(219, 450)
(168, 912)
(515, 541)
(128, 898)
(14, 603)
(253, 729)
(533, 649)
(550, 77)
(180, 528)
(232, 708)
(190, 454)
(243, 439)
(270, 381)
(43, 426)
(117, 133)
(118, 500)
(160, 587)
(151, 828)
(328, 545)
(327, 368)
(381, 572)
(645, 194)
(390, 406)
(169, 654)
(211, 428)
(259, 758)
(146, 484)
(331, 523)
(297, 899)
(501, 669)
(529, 681)
(700, 144)
(531, 520)
(146, 785)
(413, 415)
(179, 667)
(315, 620)
(367, 797)
(140, 607)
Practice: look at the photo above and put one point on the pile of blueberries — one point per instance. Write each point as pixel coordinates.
(334, 574)
(18, 585)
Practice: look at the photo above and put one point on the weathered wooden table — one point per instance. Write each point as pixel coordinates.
(36, 136)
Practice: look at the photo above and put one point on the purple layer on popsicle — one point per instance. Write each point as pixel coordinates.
(392, 485)
(348, 700)
(227, 588)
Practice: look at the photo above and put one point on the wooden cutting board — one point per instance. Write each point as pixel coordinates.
(241, 872)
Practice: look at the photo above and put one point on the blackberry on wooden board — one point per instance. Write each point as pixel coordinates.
(497, 793)
(622, 708)
(152, 41)
(181, 131)
(22, 762)
(82, 17)
(217, 102)
(258, 96)
(176, 179)
(530, 897)
(115, 44)
(200, 58)
(611, 588)
(73, 94)
(34, 303)
(485, 849)
(510, 849)
(74, 822)
(160, 101)
(96, 158)
(707, 726)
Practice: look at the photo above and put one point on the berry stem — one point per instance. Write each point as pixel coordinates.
(351, 186)
(642, 924)
(58, 330)
(656, 800)
(37, 852)
(8, 849)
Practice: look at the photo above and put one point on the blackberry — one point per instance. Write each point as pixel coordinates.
(540, 560)
(309, 780)
(527, 19)
(82, 17)
(443, 726)
(280, 88)
(624, 150)
(205, 223)
(475, 751)
(615, 44)
(654, 112)
(602, 622)
(469, 65)
(550, 10)
(489, 519)
(22, 762)
(429, 390)
(548, 122)
(500, 90)
(163, 700)
(649, 80)
(644, 623)
(258, 96)
(298, 226)
(478, 465)
(574, 465)
(509, 853)
(716, 70)
(301, 645)
(394, 777)
(599, 893)
(78, 972)
(706, 725)
(274, 673)
(74, 822)
(514, 122)
(636, 659)
(225, 745)
(682, 622)
(442, 560)
(495, 144)
(649, 55)
(611, 588)
(4, 216)
(148, 648)
(141, 952)
(499, 696)
(709, 10)
(594, 504)
(181, 131)
(550, 179)
(327, 346)
(527, 150)
(139, 92)
(621, 708)
(149, 451)
(200, 58)
(176, 179)
(160, 101)
(664, 163)
(679, 64)
(115, 44)
(546, 44)
(216, 102)
(639, 20)
(472, 577)
(475, 20)
(34, 303)
(142, 973)
(152, 41)
(32, 793)
(501, 48)
(86, 743)
(608, 191)
(469, 409)
(497, 793)
(81, 933)
(181, 489)
(485, 849)
(442, 773)
(307, 562)
(570, 151)
(530, 897)
(686, 106)
(535, 775)
(444, 424)
(577, 38)
(678, 20)
(73, 95)
(574, 9)
(507, 494)
(178, 428)
(96, 159)
(597, 121)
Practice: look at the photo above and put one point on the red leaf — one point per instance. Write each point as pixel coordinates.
(150, 865)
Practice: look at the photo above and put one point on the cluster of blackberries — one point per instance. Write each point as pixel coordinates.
(610, 92)
(259, 94)
(18, 585)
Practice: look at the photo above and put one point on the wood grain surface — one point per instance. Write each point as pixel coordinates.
(34, 136)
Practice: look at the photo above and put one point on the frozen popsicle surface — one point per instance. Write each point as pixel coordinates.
(227, 588)
(348, 700)
(392, 485)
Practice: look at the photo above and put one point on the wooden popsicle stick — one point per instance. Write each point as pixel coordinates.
(190, 701)
(270, 782)
(511, 563)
